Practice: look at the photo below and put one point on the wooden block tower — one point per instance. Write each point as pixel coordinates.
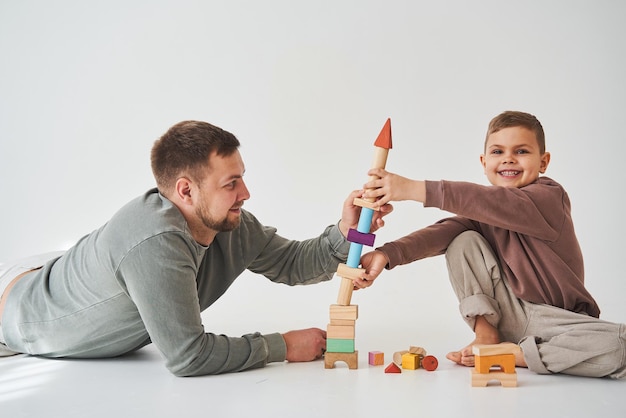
(494, 362)
(343, 315)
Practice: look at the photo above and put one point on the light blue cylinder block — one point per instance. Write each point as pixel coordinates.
(354, 255)
(365, 220)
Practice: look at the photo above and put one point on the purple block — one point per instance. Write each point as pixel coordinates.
(361, 237)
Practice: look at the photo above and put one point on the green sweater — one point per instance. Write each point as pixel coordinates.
(142, 278)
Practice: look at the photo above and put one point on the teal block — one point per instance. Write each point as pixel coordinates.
(339, 345)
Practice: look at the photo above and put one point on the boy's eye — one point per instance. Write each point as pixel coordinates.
(496, 151)
(522, 151)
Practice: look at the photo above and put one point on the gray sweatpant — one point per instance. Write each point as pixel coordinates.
(11, 269)
(553, 340)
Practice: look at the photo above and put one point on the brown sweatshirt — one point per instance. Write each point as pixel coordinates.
(530, 229)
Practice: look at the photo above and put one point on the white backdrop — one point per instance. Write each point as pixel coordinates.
(86, 87)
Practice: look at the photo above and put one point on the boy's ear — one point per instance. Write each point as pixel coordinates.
(545, 160)
(483, 161)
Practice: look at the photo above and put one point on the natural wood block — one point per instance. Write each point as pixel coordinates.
(505, 379)
(351, 359)
(380, 157)
(495, 349)
(349, 272)
(345, 332)
(397, 356)
(344, 312)
(376, 358)
(503, 362)
(417, 350)
(342, 322)
(364, 203)
(345, 292)
(339, 345)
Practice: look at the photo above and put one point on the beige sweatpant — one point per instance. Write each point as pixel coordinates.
(553, 340)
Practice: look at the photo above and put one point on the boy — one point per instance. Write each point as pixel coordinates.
(512, 256)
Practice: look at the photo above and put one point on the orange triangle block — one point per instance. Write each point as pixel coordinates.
(384, 137)
(392, 368)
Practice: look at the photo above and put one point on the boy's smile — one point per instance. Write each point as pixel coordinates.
(512, 158)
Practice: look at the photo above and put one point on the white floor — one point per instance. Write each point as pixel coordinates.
(139, 386)
(393, 315)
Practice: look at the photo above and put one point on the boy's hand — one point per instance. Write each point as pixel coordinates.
(374, 263)
(392, 187)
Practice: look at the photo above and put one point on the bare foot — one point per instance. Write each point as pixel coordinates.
(465, 356)
(485, 334)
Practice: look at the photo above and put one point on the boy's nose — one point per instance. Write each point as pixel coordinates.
(509, 158)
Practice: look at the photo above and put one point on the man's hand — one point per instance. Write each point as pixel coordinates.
(305, 345)
(351, 213)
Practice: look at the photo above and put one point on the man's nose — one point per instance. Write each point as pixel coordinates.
(244, 192)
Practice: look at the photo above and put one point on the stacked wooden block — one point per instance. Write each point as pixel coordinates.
(494, 362)
(341, 330)
(340, 336)
(343, 315)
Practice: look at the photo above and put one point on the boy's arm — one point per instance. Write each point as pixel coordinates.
(537, 210)
(427, 242)
(392, 187)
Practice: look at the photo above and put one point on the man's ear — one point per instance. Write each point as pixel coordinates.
(182, 189)
(545, 160)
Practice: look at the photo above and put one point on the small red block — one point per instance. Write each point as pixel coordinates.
(430, 363)
(393, 368)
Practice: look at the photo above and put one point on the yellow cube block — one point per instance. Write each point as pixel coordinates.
(410, 361)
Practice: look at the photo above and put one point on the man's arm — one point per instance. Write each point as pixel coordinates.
(160, 276)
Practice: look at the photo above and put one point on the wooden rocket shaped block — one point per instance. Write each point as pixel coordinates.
(340, 332)
(383, 144)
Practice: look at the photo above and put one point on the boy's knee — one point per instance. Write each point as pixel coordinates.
(620, 373)
(614, 359)
(465, 240)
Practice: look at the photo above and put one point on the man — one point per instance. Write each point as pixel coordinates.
(147, 274)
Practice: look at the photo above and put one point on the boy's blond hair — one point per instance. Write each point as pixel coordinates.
(511, 119)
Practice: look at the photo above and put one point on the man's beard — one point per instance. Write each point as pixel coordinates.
(220, 225)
